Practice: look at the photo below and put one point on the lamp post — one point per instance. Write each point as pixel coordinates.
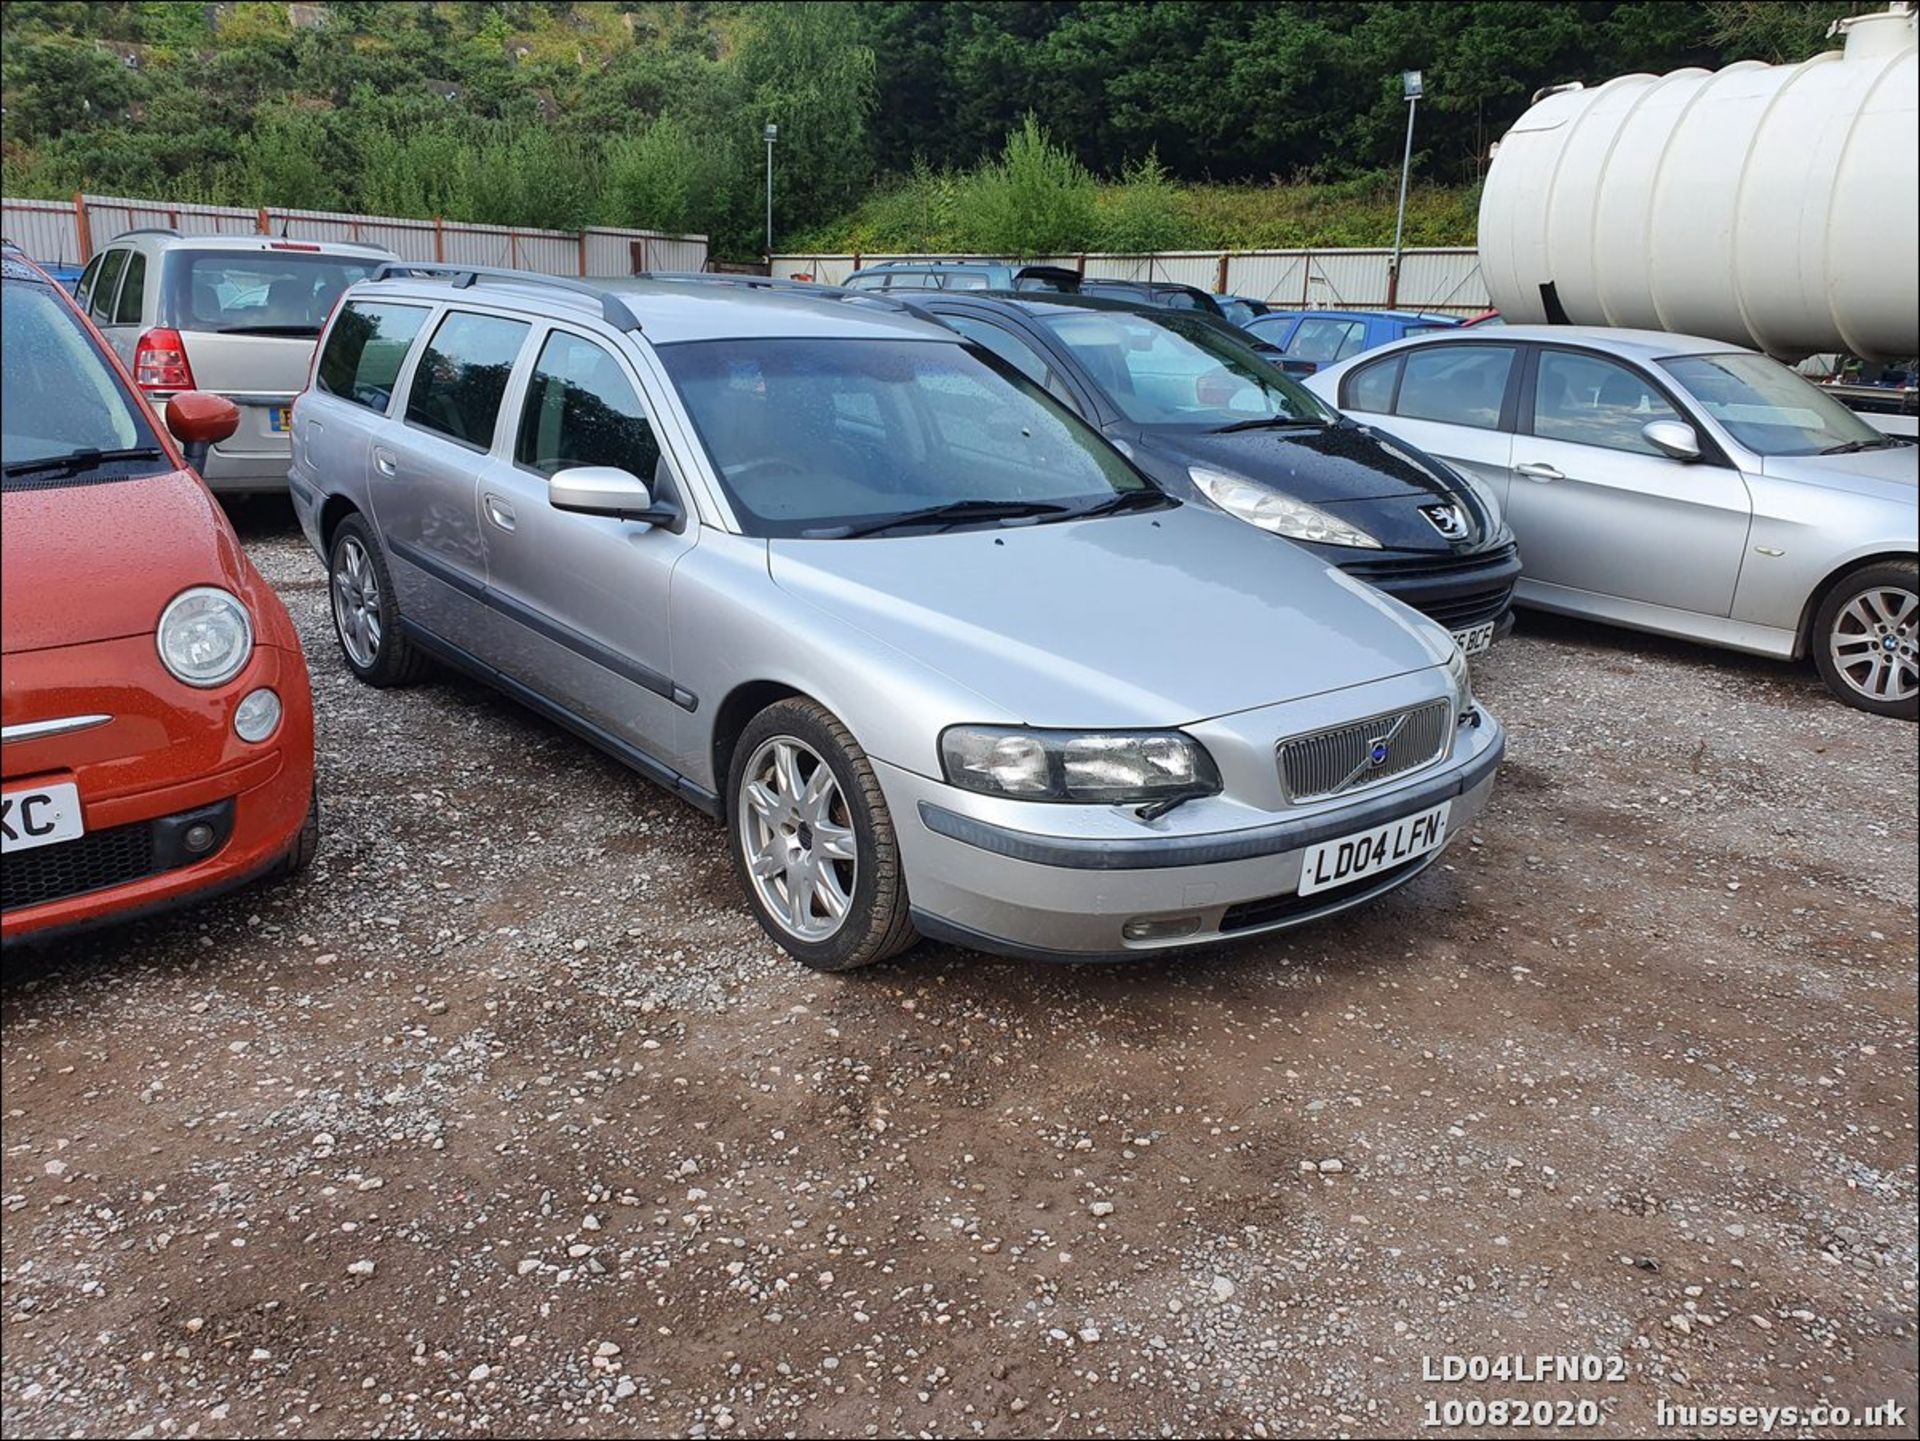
(1412, 88)
(770, 134)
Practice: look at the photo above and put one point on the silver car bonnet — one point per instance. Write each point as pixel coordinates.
(1889, 474)
(1156, 619)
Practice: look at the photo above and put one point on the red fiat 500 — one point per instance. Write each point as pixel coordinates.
(158, 726)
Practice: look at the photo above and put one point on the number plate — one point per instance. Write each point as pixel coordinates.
(1476, 640)
(41, 816)
(280, 419)
(1354, 857)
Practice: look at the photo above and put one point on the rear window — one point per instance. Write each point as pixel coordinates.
(105, 284)
(462, 374)
(258, 292)
(1458, 384)
(365, 350)
(59, 397)
(132, 292)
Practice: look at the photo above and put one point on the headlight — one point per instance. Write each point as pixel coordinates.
(1462, 678)
(1281, 514)
(1090, 766)
(205, 636)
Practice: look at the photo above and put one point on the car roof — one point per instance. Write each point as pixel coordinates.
(168, 240)
(1427, 317)
(670, 311)
(1038, 300)
(1635, 344)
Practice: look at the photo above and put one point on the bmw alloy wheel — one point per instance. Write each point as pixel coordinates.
(1875, 644)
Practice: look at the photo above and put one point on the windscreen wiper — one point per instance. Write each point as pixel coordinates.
(1853, 447)
(1275, 422)
(956, 512)
(76, 461)
(1124, 501)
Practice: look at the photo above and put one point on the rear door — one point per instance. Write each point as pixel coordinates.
(1597, 508)
(580, 601)
(352, 396)
(424, 474)
(1453, 401)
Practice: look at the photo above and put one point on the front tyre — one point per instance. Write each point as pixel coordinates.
(813, 842)
(1866, 639)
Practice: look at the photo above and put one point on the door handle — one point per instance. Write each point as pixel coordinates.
(498, 511)
(1540, 470)
(385, 461)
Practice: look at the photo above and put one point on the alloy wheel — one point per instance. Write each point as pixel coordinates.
(356, 603)
(797, 836)
(1875, 644)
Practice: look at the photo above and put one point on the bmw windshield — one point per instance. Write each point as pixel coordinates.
(841, 438)
(1173, 369)
(1769, 409)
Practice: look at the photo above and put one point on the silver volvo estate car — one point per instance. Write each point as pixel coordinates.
(944, 662)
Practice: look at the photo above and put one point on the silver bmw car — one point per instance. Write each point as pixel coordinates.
(944, 662)
(1674, 485)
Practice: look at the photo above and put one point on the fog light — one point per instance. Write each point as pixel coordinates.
(199, 837)
(1160, 928)
(257, 715)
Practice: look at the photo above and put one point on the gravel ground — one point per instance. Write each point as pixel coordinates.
(509, 1120)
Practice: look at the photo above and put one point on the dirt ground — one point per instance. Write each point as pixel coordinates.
(508, 1120)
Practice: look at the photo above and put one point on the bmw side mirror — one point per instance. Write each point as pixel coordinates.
(607, 490)
(1672, 438)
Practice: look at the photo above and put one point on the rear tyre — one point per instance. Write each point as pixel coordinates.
(366, 617)
(812, 840)
(1866, 639)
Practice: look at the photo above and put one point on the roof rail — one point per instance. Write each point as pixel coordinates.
(812, 289)
(148, 230)
(613, 309)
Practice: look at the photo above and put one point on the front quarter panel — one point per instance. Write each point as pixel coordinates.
(732, 627)
(1803, 534)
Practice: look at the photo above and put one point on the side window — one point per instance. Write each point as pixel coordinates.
(1458, 384)
(105, 285)
(1324, 341)
(365, 349)
(83, 292)
(1003, 343)
(1370, 387)
(462, 374)
(968, 280)
(132, 291)
(583, 410)
(1590, 401)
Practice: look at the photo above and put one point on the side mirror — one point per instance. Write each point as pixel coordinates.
(1672, 438)
(200, 421)
(607, 490)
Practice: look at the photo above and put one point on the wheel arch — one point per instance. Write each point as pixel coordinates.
(1803, 635)
(730, 718)
(335, 509)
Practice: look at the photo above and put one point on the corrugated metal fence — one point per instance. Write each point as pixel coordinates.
(70, 231)
(1430, 279)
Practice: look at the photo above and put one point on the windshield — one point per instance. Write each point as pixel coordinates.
(1769, 409)
(258, 292)
(1173, 369)
(59, 397)
(813, 436)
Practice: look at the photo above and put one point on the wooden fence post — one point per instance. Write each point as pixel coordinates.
(583, 255)
(439, 240)
(82, 227)
(1220, 280)
(513, 249)
(264, 223)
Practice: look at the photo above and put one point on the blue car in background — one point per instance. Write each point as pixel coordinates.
(1309, 339)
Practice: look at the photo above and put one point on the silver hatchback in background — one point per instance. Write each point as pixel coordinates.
(945, 662)
(237, 315)
(1675, 485)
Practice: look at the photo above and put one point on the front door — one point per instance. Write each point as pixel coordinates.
(1598, 508)
(580, 601)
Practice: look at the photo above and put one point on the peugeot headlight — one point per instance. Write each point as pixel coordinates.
(1281, 514)
(1096, 767)
(205, 636)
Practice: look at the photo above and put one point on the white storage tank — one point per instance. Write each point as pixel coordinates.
(1764, 205)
